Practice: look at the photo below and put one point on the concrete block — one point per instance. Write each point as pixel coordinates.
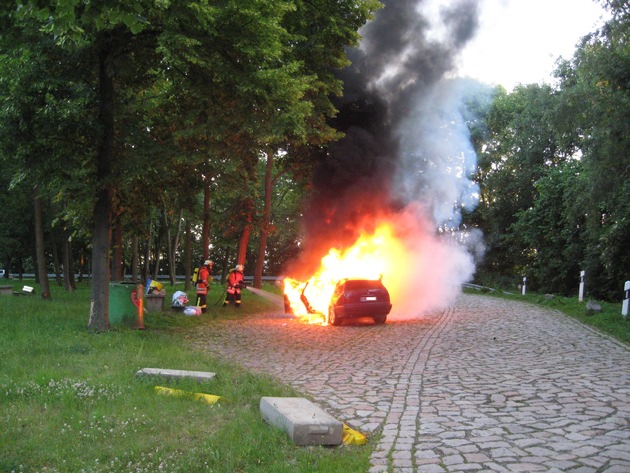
(166, 373)
(26, 291)
(304, 422)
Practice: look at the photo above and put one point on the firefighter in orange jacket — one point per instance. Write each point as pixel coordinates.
(234, 285)
(203, 281)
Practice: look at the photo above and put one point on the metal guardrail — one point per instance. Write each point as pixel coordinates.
(161, 277)
(165, 277)
(476, 286)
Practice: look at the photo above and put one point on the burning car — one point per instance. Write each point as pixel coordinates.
(351, 298)
(356, 298)
(348, 283)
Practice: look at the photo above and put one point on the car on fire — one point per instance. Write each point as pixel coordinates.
(357, 298)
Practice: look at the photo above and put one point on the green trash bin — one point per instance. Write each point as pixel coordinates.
(122, 309)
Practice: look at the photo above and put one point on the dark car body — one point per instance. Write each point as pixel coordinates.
(356, 298)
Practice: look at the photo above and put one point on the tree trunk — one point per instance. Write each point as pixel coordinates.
(247, 212)
(55, 256)
(117, 253)
(39, 245)
(158, 245)
(264, 228)
(146, 271)
(20, 268)
(187, 256)
(172, 243)
(81, 263)
(83, 266)
(101, 236)
(173, 255)
(134, 258)
(7, 265)
(169, 244)
(226, 262)
(242, 243)
(99, 305)
(205, 231)
(68, 263)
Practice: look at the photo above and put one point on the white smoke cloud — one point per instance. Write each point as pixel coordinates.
(437, 160)
(434, 270)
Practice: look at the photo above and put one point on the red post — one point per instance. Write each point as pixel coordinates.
(140, 295)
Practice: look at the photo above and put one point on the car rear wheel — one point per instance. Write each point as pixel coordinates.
(332, 316)
(380, 319)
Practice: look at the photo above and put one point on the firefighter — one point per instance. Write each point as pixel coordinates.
(234, 286)
(203, 281)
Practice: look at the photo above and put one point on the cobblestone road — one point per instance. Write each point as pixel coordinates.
(486, 385)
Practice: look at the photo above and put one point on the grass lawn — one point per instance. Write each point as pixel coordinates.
(70, 400)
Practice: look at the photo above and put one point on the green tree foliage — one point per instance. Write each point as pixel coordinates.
(521, 147)
(44, 111)
(175, 94)
(555, 172)
(596, 86)
(552, 231)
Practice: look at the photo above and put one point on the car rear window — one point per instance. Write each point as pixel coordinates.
(363, 284)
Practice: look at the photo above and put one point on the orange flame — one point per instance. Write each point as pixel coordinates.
(373, 256)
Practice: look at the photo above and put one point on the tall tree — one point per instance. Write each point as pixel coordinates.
(521, 146)
(550, 230)
(322, 30)
(42, 270)
(596, 101)
(42, 106)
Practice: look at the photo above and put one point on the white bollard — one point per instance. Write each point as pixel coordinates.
(524, 285)
(626, 298)
(581, 295)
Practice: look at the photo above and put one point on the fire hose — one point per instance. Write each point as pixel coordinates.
(221, 297)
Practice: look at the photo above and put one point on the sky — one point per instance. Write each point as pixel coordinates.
(519, 41)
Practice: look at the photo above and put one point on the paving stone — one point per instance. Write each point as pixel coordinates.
(476, 458)
(622, 468)
(426, 455)
(524, 387)
(466, 467)
(400, 455)
(561, 465)
(618, 454)
(378, 468)
(526, 467)
(453, 460)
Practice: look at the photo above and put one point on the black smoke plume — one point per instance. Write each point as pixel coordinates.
(406, 145)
